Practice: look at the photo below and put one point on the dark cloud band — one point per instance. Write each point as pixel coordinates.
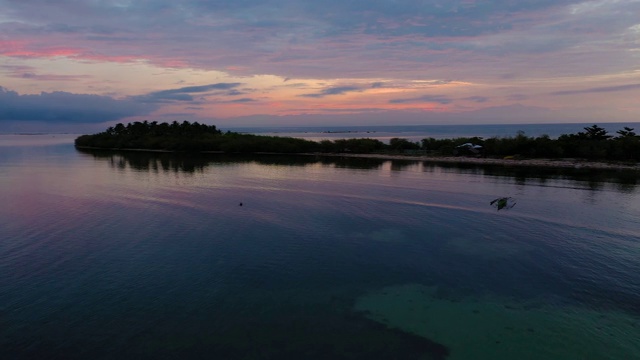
(64, 107)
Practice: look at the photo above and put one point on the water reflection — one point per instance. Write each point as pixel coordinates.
(625, 180)
(399, 165)
(190, 163)
(594, 179)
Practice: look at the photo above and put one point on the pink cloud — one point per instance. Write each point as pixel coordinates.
(90, 56)
(173, 63)
(22, 49)
(30, 49)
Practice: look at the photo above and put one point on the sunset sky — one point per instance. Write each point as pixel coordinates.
(87, 64)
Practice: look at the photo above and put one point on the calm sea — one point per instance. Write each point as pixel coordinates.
(419, 132)
(156, 256)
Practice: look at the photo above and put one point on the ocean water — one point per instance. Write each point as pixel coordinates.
(418, 132)
(109, 255)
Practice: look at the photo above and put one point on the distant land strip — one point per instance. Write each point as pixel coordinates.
(594, 148)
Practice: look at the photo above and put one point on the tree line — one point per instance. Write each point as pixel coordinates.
(594, 143)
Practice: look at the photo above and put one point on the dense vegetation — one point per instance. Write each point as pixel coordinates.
(595, 143)
(187, 136)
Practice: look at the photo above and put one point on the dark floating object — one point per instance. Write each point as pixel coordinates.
(240, 204)
(503, 203)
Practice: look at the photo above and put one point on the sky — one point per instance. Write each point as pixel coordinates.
(88, 64)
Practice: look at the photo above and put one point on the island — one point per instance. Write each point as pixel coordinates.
(593, 147)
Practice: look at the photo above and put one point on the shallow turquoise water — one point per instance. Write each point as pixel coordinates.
(140, 256)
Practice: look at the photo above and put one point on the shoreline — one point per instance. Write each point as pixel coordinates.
(540, 163)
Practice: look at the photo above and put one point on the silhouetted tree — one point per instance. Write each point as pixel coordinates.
(595, 132)
(626, 132)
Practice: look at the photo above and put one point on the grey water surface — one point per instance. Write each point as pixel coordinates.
(109, 255)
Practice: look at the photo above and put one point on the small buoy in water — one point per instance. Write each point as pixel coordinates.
(240, 204)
